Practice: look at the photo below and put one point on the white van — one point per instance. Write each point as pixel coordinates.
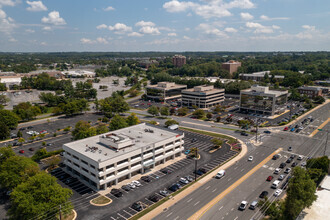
(220, 174)
(275, 184)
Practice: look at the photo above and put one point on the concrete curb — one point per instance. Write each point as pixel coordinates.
(153, 213)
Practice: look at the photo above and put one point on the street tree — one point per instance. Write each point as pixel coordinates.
(101, 128)
(164, 111)
(38, 198)
(217, 142)
(19, 134)
(53, 161)
(183, 111)
(171, 122)
(153, 110)
(5, 153)
(4, 100)
(83, 130)
(132, 119)
(16, 170)
(4, 131)
(9, 118)
(209, 115)
(319, 163)
(117, 122)
(199, 113)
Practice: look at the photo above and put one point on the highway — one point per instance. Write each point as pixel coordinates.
(250, 189)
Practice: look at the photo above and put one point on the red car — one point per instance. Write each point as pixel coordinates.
(43, 132)
(270, 178)
(285, 129)
(21, 151)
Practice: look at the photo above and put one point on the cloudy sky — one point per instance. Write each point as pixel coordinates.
(164, 25)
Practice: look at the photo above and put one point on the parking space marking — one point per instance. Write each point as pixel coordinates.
(121, 216)
(127, 212)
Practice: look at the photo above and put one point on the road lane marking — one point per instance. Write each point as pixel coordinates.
(208, 206)
(236, 218)
(242, 170)
(121, 216)
(189, 200)
(207, 188)
(319, 127)
(220, 208)
(214, 190)
(176, 218)
(229, 179)
(196, 203)
(169, 215)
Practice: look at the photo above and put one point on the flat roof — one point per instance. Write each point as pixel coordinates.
(205, 92)
(270, 92)
(309, 88)
(175, 86)
(137, 133)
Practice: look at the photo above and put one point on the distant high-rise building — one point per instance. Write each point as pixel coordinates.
(231, 66)
(179, 60)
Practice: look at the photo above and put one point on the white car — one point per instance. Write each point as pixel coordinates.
(243, 205)
(300, 157)
(287, 170)
(136, 183)
(250, 158)
(277, 171)
(131, 185)
(303, 164)
(278, 192)
(184, 181)
(282, 177)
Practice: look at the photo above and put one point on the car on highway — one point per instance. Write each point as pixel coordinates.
(21, 151)
(49, 144)
(267, 132)
(269, 178)
(220, 174)
(278, 192)
(282, 177)
(164, 193)
(253, 205)
(277, 171)
(250, 158)
(137, 206)
(287, 170)
(244, 134)
(282, 165)
(243, 205)
(263, 194)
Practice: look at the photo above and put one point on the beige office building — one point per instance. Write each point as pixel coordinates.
(164, 91)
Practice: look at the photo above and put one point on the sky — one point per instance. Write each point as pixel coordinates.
(164, 25)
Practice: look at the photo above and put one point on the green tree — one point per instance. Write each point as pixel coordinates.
(209, 115)
(171, 122)
(4, 100)
(300, 193)
(153, 122)
(193, 152)
(117, 122)
(319, 99)
(39, 197)
(133, 93)
(19, 134)
(132, 119)
(153, 110)
(113, 105)
(217, 142)
(183, 111)
(217, 109)
(53, 161)
(5, 153)
(199, 113)
(316, 175)
(4, 131)
(101, 128)
(164, 111)
(9, 118)
(21, 140)
(83, 130)
(16, 170)
(319, 163)
(41, 153)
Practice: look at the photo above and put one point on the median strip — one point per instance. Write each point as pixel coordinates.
(319, 127)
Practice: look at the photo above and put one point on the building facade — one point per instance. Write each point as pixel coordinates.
(231, 66)
(310, 91)
(179, 60)
(261, 100)
(164, 91)
(105, 160)
(259, 76)
(203, 96)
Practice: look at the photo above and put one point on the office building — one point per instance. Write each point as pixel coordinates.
(179, 60)
(164, 91)
(231, 66)
(261, 100)
(310, 91)
(204, 96)
(259, 76)
(105, 160)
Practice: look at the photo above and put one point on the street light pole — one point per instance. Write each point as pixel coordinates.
(326, 143)
(196, 154)
(257, 131)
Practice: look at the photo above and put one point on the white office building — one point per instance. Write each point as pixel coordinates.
(105, 160)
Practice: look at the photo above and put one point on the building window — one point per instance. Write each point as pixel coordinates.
(93, 174)
(84, 170)
(92, 166)
(134, 157)
(161, 147)
(76, 165)
(100, 170)
(69, 161)
(75, 157)
(110, 174)
(110, 166)
(68, 153)
(84, 162)
(121, 162)
(135, 164)
(147, 152)
(122, 169)
(168, 144)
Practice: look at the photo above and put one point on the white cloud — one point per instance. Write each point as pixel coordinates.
(230, 30)
(259, 28)
(276, 27)
(149, 30)
(172, 34)
(266, 18)
(253, 25)
(53, 18)
(187, 29)
(165, 29)
(36, 6)
(3, 14)
(145, 23)
(43, 43)
(210, 30)
(8, 3)
(186, 38)
(101, 26)
(308, 27)
(12, 40)
(29, 31)
(7, 24)
(110, 8)
(86, 41)
(135, 34)
(208, 8)
(47, 28)
(120, 28)
(102, 40)
(246, 16)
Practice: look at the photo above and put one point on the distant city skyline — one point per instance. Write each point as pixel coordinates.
(166, 25)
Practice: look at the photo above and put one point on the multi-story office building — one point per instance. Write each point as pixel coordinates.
(203, 96)
(179, 60)
(310, 91)
(104, 160)
(259, 76)
(231, 66)
(261, 100)
(164, 91)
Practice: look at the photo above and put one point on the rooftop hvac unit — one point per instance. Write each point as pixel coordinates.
(100, 151)
(99, 160)
(105, 154)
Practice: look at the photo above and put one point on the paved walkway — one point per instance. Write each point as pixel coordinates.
(195, 186)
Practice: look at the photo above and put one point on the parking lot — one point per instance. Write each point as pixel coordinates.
(121, 207)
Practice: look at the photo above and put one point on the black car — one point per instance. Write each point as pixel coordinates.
(289, 160)
(30, 127)
(146, 178)
(137, 206)
(126, 188)
(154, 198)
(165, 171)
(116, 192)
(244, 134)
(174, 187)
(294, 164)
(276, 156)
(198, 172)
(193, 140)
(203, 170)
(292, 156)
(263, 194)
(282, 165)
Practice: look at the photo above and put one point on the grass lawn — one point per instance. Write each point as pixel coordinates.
(101, 200)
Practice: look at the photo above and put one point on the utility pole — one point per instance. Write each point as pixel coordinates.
(326, 142)
(196, 154)
(257, 131)
(60, 213)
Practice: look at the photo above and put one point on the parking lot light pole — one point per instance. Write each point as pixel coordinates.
(326, 142)
(196, 154)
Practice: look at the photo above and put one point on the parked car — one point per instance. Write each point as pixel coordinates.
(267, 132)
(166, 171)
(278, 192)
(290, 149)
(287, 170)
(164, 193)
(131, 185)
(116, 192)
(300, 157)
(189, 178)
(285, 129)
(31, 149)
(203, 170)
(269, 178)
(292, 156)
(282, 165)
(126, 188)
(294, 164)
(303, 164)
(292, 129)
(243, 205)
(187, 152)
(136, 183)
(276, 156)
(289, 160)
(174, 187)
(137, 206)
(43, 132)
(250, 158)
(282, 177)
(154, 198)
(21, 151)
(146, 178)
(183, 181)
(277, 171)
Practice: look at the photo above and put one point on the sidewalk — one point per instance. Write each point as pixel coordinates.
(194, 187)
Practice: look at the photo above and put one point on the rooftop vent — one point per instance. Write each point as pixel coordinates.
(149, 130)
